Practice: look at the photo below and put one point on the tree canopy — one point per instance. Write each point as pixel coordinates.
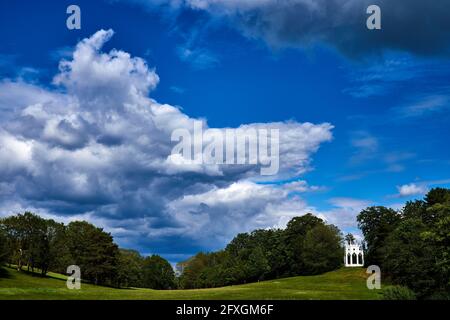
(27, 240)
(412, 246)
(307, 246)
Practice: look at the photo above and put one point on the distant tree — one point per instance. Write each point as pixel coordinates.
(439, 237)
(4, 248)
(437, 195)
(377, 223)
(31, 241)
(241, 242)
(94, 251)
(321, 250)
(409, 259)
(253, 253)
(129, 269)
(158, 273)
(413, 248)
(194, 267)
(28, 240)
(294, 235)
(60, 254)
(257, 264)
(349, 238)
(414, 210)
(299, 226)
(47, 251)
(306, 246)
(274, 248)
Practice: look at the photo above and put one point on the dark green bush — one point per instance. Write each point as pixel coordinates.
(398, 293)
(439, 295)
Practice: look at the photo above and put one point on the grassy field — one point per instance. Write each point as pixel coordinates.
(346, 283)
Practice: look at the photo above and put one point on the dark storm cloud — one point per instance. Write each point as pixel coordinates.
(417, 26)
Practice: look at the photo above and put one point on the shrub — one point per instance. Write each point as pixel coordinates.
(439, 295)
(398, 293)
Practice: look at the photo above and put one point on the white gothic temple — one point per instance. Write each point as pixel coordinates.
(354, 255)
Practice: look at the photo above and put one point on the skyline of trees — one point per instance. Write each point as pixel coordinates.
(27, 240)
(307, 246)
(411, 245)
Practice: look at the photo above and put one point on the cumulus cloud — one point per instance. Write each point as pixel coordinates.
(241, 206)
(300, 186)
(344, 211)
(411, 189)
(339, 23)
(111, 80)
(98, 148)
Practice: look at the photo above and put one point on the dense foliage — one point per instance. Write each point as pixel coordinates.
(4, 250)
(129, 269)
(412, 246)
(398, 293)
(307, 246)
(31, 242)
(157, 273)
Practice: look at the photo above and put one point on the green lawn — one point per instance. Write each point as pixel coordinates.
(346, 283)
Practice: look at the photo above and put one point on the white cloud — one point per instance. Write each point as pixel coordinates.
(199, 58)
(425, 105)
(15, 153)
(17, 95)
(349, 203)
(242, 206)
(365, 141)
(344, 212)
(111, 80)
(97, 149)
(300, 186)
(366, 146)
(411, 189)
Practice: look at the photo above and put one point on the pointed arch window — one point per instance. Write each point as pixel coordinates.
(360, 258)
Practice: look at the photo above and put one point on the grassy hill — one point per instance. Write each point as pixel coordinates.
(346, 283)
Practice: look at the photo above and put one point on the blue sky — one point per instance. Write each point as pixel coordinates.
(378, 101)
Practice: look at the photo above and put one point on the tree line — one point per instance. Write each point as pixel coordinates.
(307, 246)
(32, 243)
(412, 246)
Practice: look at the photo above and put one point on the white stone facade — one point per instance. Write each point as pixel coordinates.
(354, 255)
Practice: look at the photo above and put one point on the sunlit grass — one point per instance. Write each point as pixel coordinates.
(346, 283)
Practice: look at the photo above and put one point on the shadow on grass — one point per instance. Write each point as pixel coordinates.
(35, 274)
(4, 273)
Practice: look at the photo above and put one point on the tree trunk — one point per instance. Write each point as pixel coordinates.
(19, 261)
